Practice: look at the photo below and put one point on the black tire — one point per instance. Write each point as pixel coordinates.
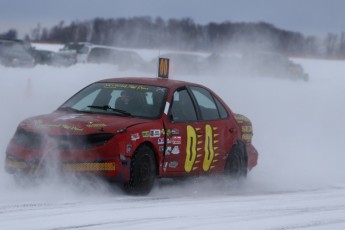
(143, 172)
(236, 165)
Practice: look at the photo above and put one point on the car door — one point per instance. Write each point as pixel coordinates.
(197, 137)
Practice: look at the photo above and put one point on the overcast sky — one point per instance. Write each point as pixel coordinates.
(310, 17)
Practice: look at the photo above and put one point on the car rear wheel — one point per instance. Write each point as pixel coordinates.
(143, 172)
(236, 165)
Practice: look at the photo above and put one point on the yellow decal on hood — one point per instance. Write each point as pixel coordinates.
(95, 125)
(40, 124)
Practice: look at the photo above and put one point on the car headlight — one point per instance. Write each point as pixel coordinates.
(27, 139)
(81, 141)
(98, 139)
(33, 140)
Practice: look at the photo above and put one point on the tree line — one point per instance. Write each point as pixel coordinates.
(185, 34)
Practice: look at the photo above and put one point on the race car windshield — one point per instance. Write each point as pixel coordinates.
(121, 99)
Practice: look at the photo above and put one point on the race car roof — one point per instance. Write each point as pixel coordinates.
(150, 81)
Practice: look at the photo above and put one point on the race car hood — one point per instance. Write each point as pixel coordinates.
(64, 123)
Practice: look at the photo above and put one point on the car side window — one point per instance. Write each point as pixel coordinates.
(182, 108)
(206, 103)
(222, 111)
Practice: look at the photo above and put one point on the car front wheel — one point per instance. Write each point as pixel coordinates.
(143, 172)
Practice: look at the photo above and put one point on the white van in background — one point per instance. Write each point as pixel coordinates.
(79, 50)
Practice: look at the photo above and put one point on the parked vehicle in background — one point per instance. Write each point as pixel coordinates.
(90, 53)
(184, 63)
(273, 65)
(262, 64)
(77, 50)
(124, 59)
(16, 53)
(46, 57)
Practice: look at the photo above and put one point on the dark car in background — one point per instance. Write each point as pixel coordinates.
(51, 58)
(273, 65)
(184, 63)
(16, 53)
(124, 59)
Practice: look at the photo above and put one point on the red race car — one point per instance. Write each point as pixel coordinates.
(134, 130)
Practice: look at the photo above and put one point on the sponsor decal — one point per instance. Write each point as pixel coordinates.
(173, 164)
(145, 134)
(160, 141)
(155, 133)
(129, 148)
(40, 124)
(166, 109)
(175, 132)
(168, 132)
(241, 118)
(125, 86)
(168, 151)
(71, 127)
(168, 140)
(135, 137)
(161, 148)
(92, 125)
(165, 166)
(247, 129)
(176, 140)
(247, 137)
(175, 150)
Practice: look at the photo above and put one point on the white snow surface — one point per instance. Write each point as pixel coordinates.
(299, 182)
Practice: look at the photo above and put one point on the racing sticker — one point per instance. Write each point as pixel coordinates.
(247, 129)
(165, 166)
(145, 134)
(175, 132)
(176, 140)
(173, 164)
(160, 141)
(72, 127)
(155, 133)
(168, 151)
(240, 118)
(129, 148)
(40, 124)
(135, 137)
(125, 86)
(166, 109)
(175, 150)
(92, 125)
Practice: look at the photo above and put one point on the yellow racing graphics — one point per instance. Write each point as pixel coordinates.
(163, 68)
(202, 144)
(209, 149)
(191, 148)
